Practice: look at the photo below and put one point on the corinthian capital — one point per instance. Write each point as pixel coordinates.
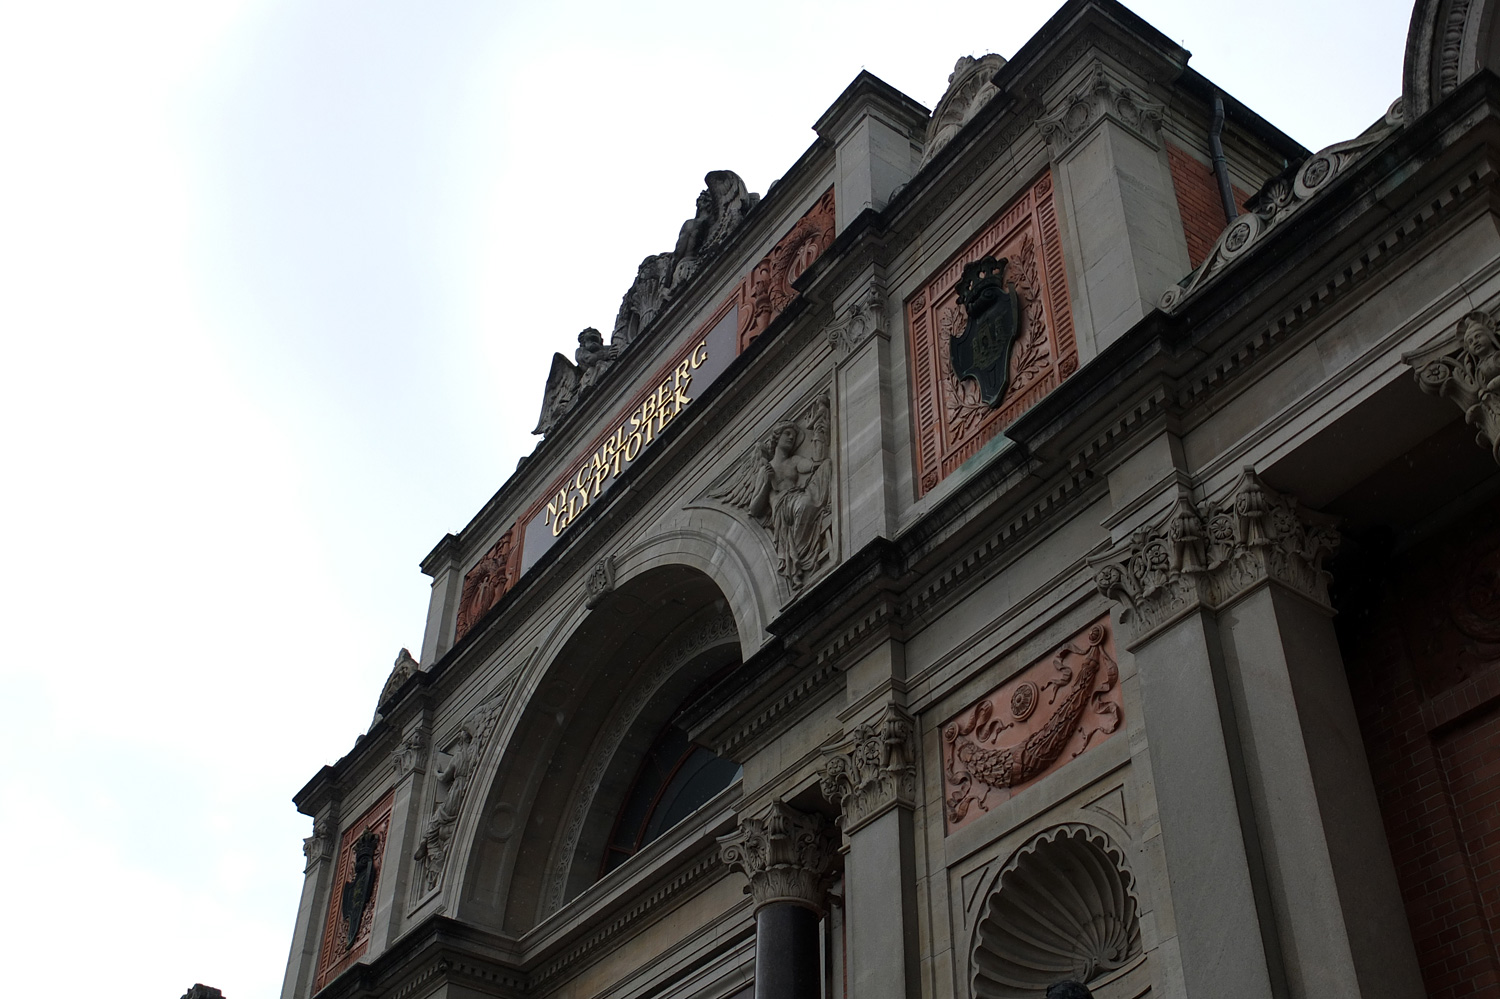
(1208, 554)
(787, 855)
(873, 769)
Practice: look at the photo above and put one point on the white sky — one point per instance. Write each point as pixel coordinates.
(279, 283)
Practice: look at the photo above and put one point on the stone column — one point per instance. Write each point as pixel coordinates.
(393, 888)
(787, 855)
(317, 875)
(1122, 226)
(872, 776)
(1273, 837)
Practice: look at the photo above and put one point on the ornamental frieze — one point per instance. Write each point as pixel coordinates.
(1035, 723)
(1207, 554)
(952, 416)
(485, 584)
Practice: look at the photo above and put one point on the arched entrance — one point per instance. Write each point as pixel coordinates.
(596, 767)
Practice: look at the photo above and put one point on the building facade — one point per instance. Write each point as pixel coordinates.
(1043, 538)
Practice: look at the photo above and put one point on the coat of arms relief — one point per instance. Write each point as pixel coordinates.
(784, 482)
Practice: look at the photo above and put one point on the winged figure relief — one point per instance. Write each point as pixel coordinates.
(786, 482)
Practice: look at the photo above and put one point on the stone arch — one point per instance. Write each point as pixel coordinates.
(1062, 907)
(588, 712)
(1448, 42)
(738, 561)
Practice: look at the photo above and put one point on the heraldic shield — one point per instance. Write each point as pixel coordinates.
(982, 350)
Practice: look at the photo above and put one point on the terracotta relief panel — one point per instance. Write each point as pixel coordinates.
(768, 290)
(952, 422)
(351, 903)
(1053, 711)
(485, 584)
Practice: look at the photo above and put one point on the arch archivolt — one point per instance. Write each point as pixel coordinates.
(1448, 42)
(682, 603)
(707, 632)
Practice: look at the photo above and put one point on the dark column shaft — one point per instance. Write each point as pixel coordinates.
(786, 953)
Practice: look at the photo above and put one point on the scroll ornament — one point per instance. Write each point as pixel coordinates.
(1281, 198)
(1208, 554)
(872, 769)
(786, 484)
(787, 855)
(454, 782)
(1464, 367)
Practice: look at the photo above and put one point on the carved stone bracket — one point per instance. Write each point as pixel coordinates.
(319, 846)
(454, 782)
(1281, 198)
(1464, 368)
(410, 755)
(862, 319)
(1208, 554)
(787, 855)
(601, 582)
(1102, 97)
(873, 769)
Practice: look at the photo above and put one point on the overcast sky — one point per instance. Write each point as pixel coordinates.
(279, 283)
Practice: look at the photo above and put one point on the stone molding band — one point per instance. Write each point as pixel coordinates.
(1208, 554)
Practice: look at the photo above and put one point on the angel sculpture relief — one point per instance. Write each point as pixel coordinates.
(785, 483)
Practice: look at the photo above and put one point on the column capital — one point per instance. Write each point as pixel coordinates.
(319, 846)
(1207, 554)
(1464, 368)
(786, 854)
(873, 769)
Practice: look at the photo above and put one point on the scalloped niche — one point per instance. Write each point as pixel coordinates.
(1061, 909)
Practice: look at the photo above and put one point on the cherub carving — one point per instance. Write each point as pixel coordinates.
(567, 381)
(785, 483)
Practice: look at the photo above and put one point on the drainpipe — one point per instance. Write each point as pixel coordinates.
(1221, 167)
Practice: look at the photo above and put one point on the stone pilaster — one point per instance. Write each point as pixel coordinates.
(442, 608)
(1273, 835)
(861, 340)
(319, 850)
(876, 132)
(409, 761)
(872, 776)
(1122, 226)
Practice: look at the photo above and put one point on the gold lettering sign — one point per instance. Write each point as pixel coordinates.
(694, 368)
(619, 449)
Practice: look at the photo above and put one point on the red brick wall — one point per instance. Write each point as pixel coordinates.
(1423, 654)
(1198, 202)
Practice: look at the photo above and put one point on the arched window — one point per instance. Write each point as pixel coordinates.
(675, 779)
